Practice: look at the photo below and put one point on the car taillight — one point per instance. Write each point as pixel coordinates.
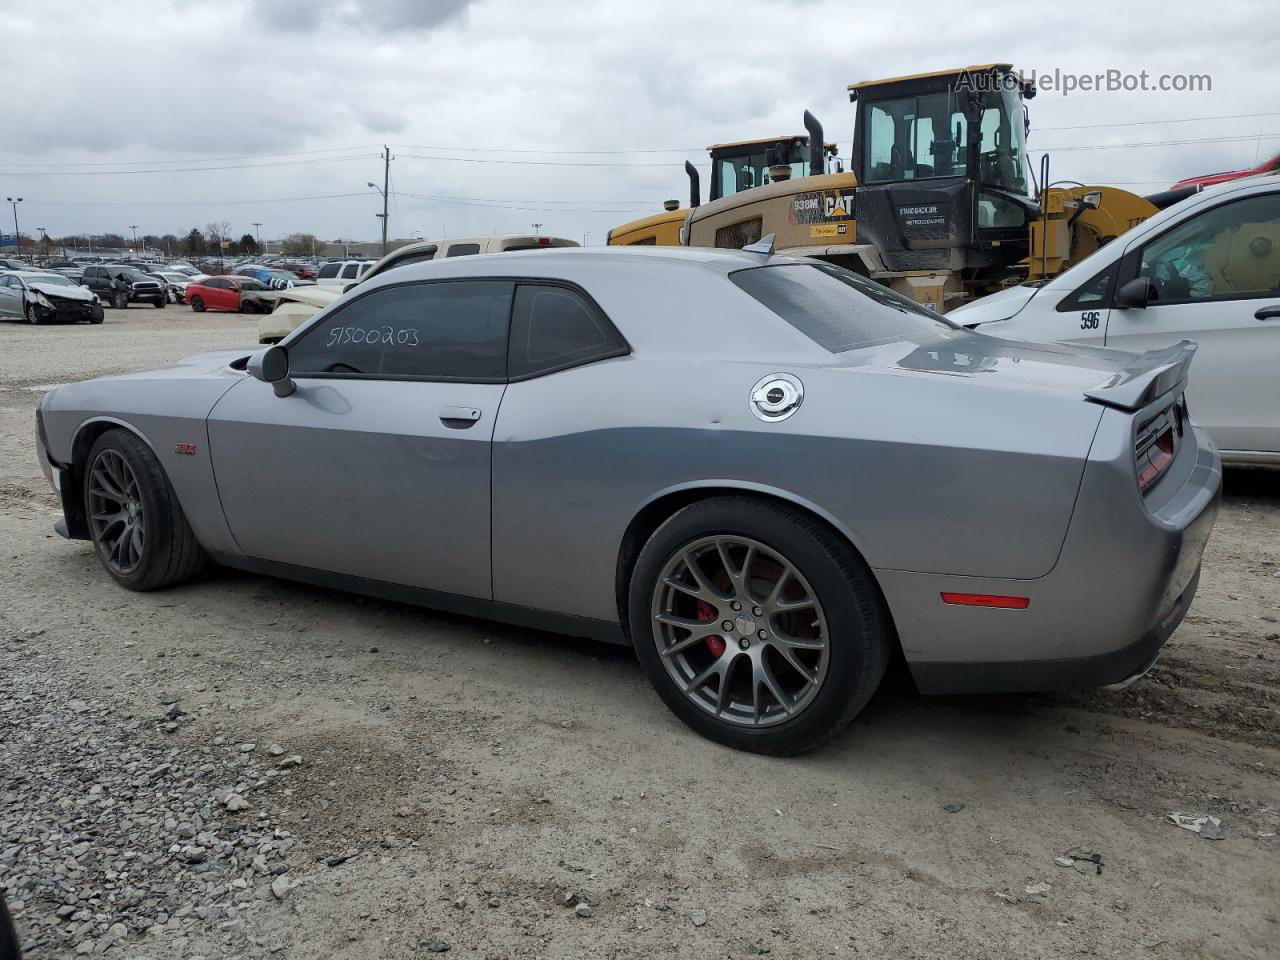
(1157, 444)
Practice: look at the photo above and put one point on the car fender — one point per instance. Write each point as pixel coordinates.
(731, 485)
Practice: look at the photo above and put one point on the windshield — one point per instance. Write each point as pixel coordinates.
(1003, 144)
(836, 308)
(735, 174)
(128, 272)
(53, 279)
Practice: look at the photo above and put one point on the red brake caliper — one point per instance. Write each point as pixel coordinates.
(707, 613)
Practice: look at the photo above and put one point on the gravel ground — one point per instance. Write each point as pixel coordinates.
(244, 767)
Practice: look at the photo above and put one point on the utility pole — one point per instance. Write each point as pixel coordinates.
(386, 186)
(134, 228)
(257, 228)
(17, 236)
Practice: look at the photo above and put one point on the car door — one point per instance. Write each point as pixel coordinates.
(378, 464)
(10, 297)
(223, 294)
(1216, 278)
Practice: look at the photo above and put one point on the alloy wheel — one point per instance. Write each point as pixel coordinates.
(740, 630)
(115, 512)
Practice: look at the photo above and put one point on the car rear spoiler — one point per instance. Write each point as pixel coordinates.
(1151, 375)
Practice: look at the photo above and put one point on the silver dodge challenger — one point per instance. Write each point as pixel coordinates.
(768, 475)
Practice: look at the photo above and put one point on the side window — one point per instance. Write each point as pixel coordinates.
(449, 330)
(6, 281)
(463, 250)
(349, 271)
(555, 327)
(1231, 251)
(1096, 292)
(328, 271)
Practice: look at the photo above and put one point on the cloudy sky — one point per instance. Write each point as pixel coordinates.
(501, 114)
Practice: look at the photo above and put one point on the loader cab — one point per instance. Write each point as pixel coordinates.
(753, 163)
(942, 172)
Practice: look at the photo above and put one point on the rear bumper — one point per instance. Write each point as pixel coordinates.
(1123, 583)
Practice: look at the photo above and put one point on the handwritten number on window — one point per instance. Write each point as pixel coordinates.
(389, 336)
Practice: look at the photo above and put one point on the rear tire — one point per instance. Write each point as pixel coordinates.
(197, 304)
(819, 635)
(125, 490)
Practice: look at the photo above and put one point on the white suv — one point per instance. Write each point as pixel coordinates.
(1206, 269)
(338, 273)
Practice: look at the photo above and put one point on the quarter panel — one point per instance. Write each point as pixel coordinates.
(924, 473)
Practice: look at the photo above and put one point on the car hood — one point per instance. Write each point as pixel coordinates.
(62, 291)
(968, 355)
(997, 306)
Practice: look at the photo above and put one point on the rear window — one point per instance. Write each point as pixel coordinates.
(836, 308)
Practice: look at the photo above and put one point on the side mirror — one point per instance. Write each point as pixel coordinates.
(272, 366)
(348, 286)
(1136, 294)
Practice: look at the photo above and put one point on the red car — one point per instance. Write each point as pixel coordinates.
(1209, 179)
(226, 293)
(300, 270)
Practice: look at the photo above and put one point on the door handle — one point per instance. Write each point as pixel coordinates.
(1267, 313)
(459, 416)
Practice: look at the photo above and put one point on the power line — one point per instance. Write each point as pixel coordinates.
(543, 163)
(243, 156)
(189, 203)
(1143, 123)
(506, 205)
(236, 166)
(1157, 143)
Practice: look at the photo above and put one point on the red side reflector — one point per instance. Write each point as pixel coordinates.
(986, 600)
(544, 241)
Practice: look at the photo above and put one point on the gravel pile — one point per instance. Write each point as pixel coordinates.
(111, 832)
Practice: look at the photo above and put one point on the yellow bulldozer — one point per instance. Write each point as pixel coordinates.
(939, 202)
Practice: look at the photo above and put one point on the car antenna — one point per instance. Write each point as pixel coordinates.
(763, 245)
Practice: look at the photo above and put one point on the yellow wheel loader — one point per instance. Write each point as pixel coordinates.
(937, 203)
(735, 167)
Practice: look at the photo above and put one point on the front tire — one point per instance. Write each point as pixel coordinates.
(197, 304)
(159, 304)
(758, 625)
(120, 301)
(139, 531)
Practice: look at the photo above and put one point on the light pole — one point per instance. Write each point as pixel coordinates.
(134, 228)
(257, 228)
(17, 237)
(537, 228)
